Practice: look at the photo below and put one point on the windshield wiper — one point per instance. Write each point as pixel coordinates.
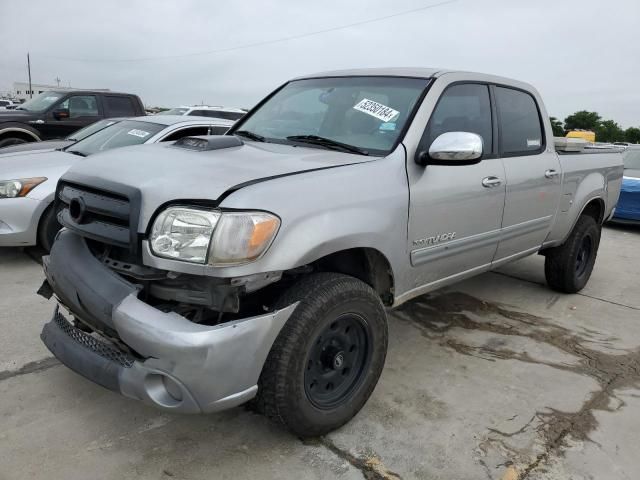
(76, 152)
(249, 135)
(327, 142)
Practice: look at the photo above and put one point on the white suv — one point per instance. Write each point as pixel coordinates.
(207, 111)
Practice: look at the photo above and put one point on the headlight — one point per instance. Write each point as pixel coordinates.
(214, 237)
(19, 187)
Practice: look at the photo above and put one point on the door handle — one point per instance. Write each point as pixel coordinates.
(551, 173)
(490, 182)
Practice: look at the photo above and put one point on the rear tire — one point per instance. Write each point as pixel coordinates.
(568, 267)
(48, 228)
(5, 142)
(328, 357)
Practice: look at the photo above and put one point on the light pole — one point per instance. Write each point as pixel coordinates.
(29, 70)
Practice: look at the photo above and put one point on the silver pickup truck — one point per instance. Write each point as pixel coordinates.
(258, 265)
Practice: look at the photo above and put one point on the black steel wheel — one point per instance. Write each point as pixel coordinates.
(337, 360)
(328, 357)
(568, 267)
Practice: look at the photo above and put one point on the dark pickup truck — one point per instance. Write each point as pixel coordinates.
(56, 114)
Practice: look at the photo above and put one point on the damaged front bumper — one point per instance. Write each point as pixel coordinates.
(174, 364)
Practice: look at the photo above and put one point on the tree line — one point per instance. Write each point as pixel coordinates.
(605, 130)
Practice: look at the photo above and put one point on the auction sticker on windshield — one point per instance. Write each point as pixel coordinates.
(138, 133)
(375, 109)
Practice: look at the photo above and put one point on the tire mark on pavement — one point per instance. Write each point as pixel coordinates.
(31, 367)
(370, 466)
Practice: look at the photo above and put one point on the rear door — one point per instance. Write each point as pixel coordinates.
(455, 213)
(532, 170)
(118, 106)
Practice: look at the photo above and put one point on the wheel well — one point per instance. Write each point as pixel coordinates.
(18, 134)
(594, 209)
(366, 264)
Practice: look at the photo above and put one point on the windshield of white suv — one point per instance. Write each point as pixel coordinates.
(631, 158)
(174, 111)
(120, 134)
(41, 102)
(362, 114)
(91, 129)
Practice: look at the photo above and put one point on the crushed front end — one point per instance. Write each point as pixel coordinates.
(178, 341)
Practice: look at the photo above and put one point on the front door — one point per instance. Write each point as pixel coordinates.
(532, 170)
(83, 110)
(455, 211)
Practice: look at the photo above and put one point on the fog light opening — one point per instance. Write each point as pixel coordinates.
(163, 390)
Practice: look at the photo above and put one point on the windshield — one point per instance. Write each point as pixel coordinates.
(631, 158)
(364, 112)
(120, 134)
(41, 102)
(174, 111)
(91, 129)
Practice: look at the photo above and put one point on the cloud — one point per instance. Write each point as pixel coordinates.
(579, 54)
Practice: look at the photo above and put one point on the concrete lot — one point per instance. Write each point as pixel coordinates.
(497, 377)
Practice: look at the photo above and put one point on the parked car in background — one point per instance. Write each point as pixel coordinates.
(61, 143)
(57, 114)
(226, 113)
(28, 180)
(259, 264)
(628, 207)
(6, 104)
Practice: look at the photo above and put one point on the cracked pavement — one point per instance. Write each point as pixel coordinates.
(497, 377)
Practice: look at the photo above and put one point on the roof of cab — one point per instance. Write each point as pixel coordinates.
(388, 72)
(419, 72)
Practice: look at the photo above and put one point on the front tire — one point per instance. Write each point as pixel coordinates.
(328, 357)
(568, 267)
(48, 228)
(5, 142)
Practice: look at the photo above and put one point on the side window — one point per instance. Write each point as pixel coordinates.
(186, 132)
(119, 106)
(81, 106)
(201, 113)
(521, 131)
(462, 108)
(218, 130)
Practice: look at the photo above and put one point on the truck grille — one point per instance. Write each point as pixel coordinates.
(105, 216)
(101, 348)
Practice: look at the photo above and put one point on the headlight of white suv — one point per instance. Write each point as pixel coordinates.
(19, 187)
(213, 237)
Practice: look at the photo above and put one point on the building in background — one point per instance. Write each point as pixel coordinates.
(20, 90)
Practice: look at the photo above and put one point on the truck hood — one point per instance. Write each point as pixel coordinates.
(164, 173)
(17, 115)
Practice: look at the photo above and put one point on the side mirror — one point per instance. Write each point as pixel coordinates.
(60, 113)
(452, 148)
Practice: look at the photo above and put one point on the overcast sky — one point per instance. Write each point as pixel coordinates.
(582, 54)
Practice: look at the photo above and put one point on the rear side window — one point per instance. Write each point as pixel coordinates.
(519, 119)
(218, 130)
(186, 132)
(462, 108)
(119, 106)
(217, 114)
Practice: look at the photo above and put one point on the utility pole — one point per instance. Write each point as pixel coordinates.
(57, 79)
(29, 69)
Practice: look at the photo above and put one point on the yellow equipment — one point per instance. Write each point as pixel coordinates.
(587, 135)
